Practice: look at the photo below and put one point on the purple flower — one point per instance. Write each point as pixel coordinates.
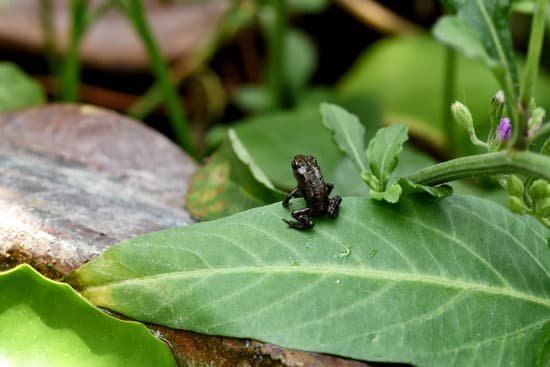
(504, 129)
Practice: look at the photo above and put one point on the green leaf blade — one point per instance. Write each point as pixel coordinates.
(383, 151)
(347, 132)
(45, 323)
(454, 32)
(455, 282)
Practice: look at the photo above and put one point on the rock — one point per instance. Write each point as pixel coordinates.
(76, 179)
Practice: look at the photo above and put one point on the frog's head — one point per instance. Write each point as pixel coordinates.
(302, 164)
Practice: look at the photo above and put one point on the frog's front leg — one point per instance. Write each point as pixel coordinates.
(329, 187)
(303, 219)
(294, 193)
(334, 206)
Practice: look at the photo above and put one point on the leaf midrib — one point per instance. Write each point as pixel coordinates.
(335, 271)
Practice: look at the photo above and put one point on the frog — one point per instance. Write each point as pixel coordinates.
(315, 191)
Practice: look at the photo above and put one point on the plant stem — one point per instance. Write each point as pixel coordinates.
(488, 164)
(276, 39)
(48, 34)
(536, 40)
(70, 71)
(448, 94)
(180, 125)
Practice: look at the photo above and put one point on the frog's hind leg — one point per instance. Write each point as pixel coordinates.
(303, 219)
(334, 206)
(294, 193)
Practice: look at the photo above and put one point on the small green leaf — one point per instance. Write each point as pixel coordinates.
(371, 180)
(391, 195)
(347, 132)
(439, 192)
(46, 323)
(383, 152)
(454, 282)
(17, 90)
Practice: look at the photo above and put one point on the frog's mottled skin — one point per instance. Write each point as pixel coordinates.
(314, 190)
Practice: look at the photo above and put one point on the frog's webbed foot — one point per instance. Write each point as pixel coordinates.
(334, 206)
(290, 195)
(303, 220)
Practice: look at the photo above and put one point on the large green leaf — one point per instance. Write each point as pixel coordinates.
(17, 90)
(45, 323)
(455, 282)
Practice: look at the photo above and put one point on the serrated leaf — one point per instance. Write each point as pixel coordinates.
(46, 323)
(383, 152)
(454, 282)
(347, 132)
(17, 90)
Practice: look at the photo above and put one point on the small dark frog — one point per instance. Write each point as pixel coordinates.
(314, 190)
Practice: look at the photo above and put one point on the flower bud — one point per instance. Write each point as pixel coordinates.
(463, 117)
(539, 189)
(514, 186)
(504, 130)
(544, 208)
(517, 205)
(497, 106)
